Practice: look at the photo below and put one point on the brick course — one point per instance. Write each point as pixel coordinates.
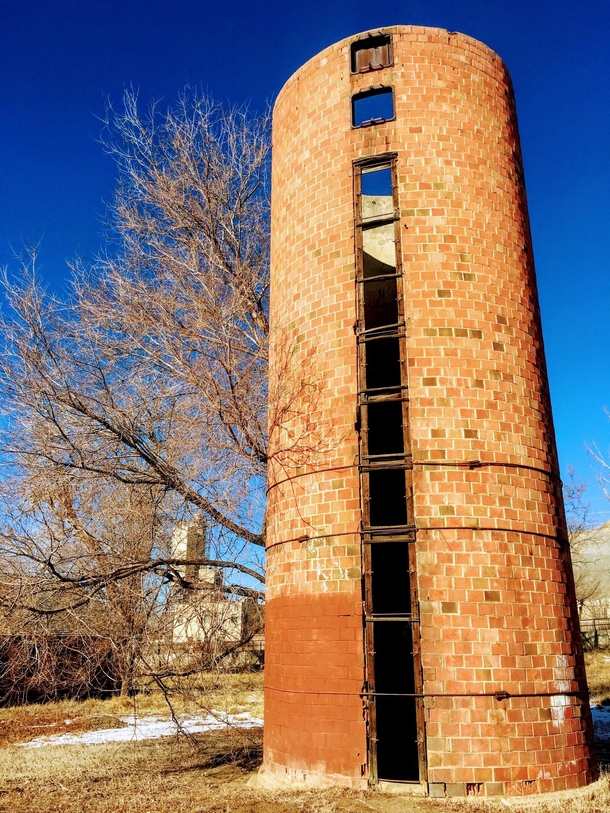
(496, 591)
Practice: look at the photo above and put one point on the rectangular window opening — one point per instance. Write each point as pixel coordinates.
(382, 363)
(388, 498)
(377, 199)
(391, 593)
(371, 53)
(377, 180)
(394, 657)
(384, 428)
(379, 247)
(373, 107)
(380, 303)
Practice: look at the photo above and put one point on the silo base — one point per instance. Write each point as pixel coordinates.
(275, 777)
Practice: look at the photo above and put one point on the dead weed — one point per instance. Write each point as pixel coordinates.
(598, 674)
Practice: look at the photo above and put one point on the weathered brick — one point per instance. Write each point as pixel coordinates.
(496, 597)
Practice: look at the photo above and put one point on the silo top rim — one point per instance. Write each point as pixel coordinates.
(453, 37)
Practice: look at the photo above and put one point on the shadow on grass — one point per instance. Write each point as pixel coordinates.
(248, 759)
(602, 746)
(219, 749)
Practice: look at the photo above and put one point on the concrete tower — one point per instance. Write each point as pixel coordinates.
(421, 618)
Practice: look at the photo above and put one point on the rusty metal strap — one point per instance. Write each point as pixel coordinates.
(501, 695)
(553, 537)
(479, 464)
(305, 538)
(498, 695)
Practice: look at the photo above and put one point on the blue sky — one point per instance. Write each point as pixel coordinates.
(62, 59)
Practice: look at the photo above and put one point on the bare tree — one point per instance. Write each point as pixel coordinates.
(73, 554)
(584, 537)
(141, 399)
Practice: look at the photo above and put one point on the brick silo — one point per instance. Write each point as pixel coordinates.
(421, 618)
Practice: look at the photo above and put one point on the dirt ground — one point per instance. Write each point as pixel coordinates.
(208, 773)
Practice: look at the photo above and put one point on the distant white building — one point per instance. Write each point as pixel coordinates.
(591, 562)
(208, 619)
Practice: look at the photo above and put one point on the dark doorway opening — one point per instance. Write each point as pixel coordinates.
(397, 754)
(396, 718)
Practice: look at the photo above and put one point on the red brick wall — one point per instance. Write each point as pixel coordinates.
(494, 576)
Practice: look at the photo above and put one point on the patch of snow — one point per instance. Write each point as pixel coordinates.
(601, 722)
(148, 728)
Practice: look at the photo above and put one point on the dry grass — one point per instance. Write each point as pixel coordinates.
(208, 773)
(160, 775)
(166, 776)
(598, 674)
